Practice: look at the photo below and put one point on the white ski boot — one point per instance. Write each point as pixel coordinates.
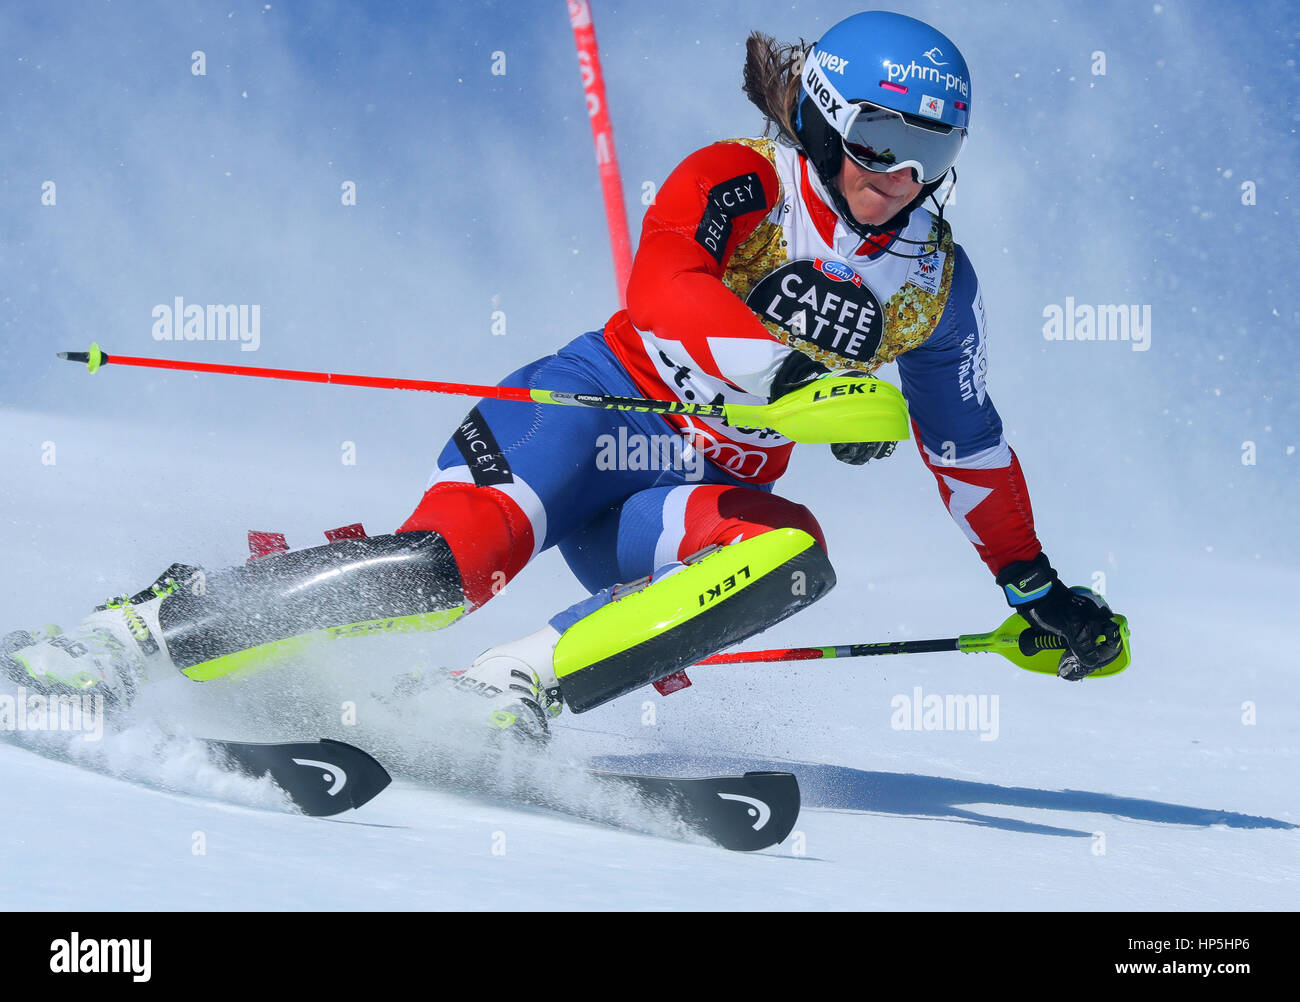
(108, 654)
(517, 681)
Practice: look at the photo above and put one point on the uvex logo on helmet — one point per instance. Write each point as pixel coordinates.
(821, 90)
(833, 62)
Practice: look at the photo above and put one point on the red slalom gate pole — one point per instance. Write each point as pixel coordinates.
(602, 134)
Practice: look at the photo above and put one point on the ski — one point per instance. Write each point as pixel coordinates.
(322, 777)
(743, 813)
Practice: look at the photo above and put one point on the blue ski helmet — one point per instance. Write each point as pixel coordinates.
(893, 62)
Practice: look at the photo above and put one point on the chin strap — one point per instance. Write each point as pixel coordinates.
(924, 248)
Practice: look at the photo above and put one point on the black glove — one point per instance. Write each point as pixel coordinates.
(857, 453)
(1082, 619)
(798, 370)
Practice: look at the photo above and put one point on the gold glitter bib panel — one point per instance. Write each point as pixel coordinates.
(812, 283)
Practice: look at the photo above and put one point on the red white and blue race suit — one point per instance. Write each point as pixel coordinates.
(742, 262)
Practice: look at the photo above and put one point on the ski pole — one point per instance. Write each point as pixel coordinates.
(1016, 640)
(869, 410)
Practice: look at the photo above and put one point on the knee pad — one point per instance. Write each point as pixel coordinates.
(489, 534)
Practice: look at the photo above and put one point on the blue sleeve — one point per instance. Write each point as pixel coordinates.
(943, 379)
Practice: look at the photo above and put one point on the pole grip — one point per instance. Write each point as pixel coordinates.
(1033, 642)
(903, 647)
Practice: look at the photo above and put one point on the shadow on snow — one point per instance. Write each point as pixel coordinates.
(838, 788)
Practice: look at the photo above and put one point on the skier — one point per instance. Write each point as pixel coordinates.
(764, 265)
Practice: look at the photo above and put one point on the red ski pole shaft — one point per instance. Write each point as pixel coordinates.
(97, 357)
(301, 375)
(841, 651)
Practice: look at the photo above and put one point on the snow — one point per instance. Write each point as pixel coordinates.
(1170, 787)
(870, 838)
(1143, 791)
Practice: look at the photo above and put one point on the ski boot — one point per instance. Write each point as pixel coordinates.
(107, 655)
(51, 663)
(517, 681)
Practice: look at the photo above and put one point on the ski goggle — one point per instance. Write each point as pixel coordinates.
(882, 140)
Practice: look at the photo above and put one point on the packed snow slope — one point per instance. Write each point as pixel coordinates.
(1148, 790)
(1166, 475)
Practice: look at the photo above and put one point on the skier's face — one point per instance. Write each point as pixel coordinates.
(876, 198)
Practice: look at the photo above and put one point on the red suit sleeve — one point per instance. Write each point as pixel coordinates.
(990, 505)
(712, 202)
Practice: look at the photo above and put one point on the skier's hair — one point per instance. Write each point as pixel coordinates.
(772, 71)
